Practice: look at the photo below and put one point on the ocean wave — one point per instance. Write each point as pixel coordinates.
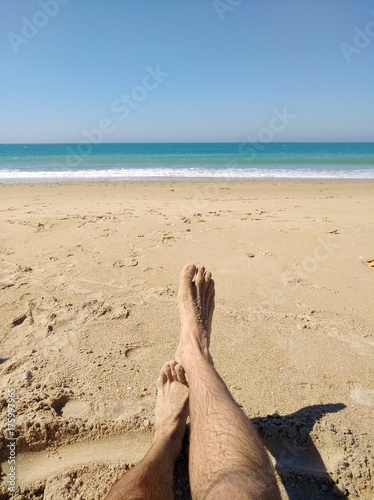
(18, 175)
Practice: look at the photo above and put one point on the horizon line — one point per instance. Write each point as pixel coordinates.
(189, 142)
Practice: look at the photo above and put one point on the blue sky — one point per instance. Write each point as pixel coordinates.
(187, 70)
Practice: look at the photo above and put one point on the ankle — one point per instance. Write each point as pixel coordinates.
(169, 441)
(195, 358)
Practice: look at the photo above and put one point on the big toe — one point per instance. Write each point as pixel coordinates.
(188, 271)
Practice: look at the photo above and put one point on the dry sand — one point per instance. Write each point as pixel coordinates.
(89, 277)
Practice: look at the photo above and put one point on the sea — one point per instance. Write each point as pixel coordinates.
(185, 161)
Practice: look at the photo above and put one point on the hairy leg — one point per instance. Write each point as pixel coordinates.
(227, 457)
(153, 476)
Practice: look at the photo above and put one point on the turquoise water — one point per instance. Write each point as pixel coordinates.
(85, 161)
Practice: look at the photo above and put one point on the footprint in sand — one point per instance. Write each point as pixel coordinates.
(13, 275)
(129, 262)
(168, 239)
(55, 325)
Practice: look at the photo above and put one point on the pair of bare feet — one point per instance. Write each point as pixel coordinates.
(226, 456)
(196, 305)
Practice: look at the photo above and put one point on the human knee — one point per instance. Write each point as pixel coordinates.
(242, 485)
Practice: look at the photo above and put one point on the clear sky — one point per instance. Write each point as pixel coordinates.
(186, 70)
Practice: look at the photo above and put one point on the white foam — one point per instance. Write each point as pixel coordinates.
(14, 175)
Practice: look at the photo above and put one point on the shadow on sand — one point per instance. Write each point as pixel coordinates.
(298, 462)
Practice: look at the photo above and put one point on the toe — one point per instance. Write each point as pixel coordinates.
(188, 271)
(181, 376)
(200, 276)
(162, 379)
(207, 278)
(172, 365)
(167, 371)
(210, 288)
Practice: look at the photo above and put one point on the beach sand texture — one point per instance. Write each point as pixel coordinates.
(88, 297)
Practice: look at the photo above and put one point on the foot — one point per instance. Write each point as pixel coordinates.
(171, 407)
(196, 305)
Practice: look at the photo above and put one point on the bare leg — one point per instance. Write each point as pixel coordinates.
(227, 457)
(153, 476)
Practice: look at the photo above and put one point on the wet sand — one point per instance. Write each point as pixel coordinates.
(88, 296)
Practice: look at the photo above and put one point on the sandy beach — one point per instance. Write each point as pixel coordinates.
(89, 314)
